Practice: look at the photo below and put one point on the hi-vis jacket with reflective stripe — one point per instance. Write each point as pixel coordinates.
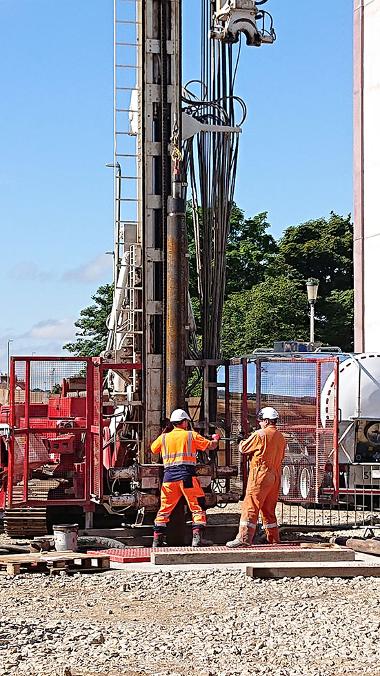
(179, 447)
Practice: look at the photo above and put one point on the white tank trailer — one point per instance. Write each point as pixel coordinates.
(359, 422)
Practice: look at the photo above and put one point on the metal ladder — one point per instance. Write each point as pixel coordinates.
(127, 166)
(125, 338)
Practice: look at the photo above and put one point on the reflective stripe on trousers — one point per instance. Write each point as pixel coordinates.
(171, 493)
(261, 496)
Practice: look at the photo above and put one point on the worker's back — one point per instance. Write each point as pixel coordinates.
(268, 447)
(179, 446)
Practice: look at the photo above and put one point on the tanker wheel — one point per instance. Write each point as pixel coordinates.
(305, 483)
(288, 482)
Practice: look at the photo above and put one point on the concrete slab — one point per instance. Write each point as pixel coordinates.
(328, 569)
(238, 567)
(264, 554)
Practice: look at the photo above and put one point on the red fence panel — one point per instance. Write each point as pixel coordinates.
(49, 435)
(293, 386)
(60, 412)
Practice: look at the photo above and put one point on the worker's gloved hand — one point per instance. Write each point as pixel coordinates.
(215, 437)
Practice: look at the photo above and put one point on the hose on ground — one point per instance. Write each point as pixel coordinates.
(96, 542)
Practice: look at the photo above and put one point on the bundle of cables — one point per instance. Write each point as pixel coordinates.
(211, 163)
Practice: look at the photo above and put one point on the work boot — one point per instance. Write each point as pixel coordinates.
(198, 539)
(233, 544)
(158, 540)
(244, 538)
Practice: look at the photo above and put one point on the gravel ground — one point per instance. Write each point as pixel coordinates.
(195, 623)
(208, 623)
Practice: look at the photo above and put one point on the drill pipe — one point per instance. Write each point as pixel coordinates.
(176, 303)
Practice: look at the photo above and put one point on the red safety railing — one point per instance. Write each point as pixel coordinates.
(293, 386)
(50, 422)
(59, 411)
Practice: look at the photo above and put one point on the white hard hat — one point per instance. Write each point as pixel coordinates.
(179, 415)
(268, 413)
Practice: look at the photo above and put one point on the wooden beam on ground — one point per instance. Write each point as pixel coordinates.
(265, 554)
(299, 569)
(370, 546)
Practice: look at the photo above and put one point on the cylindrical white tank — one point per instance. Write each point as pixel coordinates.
(359, 390)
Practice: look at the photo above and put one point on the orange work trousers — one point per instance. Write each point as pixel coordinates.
(261, 495)
(171, 493)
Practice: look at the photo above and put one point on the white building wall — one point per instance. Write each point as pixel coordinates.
(367, 174)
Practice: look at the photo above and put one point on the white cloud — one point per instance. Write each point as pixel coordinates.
(28, 270)
(93, 271)
(43, 338)
(51, 329)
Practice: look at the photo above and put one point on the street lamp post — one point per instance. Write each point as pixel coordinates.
(312, 294)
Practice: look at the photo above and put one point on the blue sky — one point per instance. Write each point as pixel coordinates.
(56, 196)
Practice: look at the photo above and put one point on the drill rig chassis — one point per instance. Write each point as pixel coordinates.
(73, 453)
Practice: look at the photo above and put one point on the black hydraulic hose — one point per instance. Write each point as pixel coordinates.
(96, 542)
(14, 549)
(211, 160)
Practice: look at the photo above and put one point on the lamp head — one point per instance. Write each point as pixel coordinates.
(312, 285)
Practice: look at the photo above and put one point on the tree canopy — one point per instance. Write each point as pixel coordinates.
(274, 309)
(265, 288)
(92, 324)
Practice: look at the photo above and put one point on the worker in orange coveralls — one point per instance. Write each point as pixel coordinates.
(178, 448)
(266, 448)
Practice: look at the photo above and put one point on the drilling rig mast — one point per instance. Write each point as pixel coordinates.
(162, 132)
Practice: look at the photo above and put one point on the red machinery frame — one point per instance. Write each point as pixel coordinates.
(99, 369)
(312, 426)
(93, 429)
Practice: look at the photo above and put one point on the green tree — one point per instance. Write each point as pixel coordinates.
(92, 325)
(320, 248)
(274, 309)
(249, 251)
(336, 325)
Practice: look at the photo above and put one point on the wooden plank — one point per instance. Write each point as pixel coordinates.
(54, 562)
(48, 556)
(104, 563)
(13, 569)
(249, 556)
(20, 558)
(300, 569)
(85, 563)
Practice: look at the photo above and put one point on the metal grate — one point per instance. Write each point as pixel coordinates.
(142, 554)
